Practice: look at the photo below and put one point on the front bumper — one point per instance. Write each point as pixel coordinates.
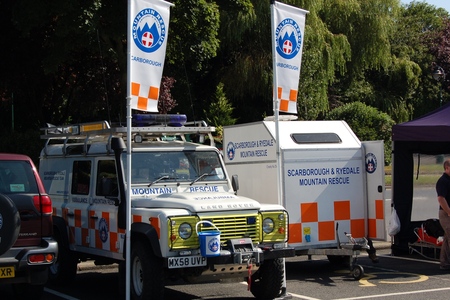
(258, 255)
(242, 252)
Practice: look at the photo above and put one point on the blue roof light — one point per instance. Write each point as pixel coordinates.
(174, 120)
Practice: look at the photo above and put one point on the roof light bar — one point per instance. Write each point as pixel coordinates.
(86, 127)
(76, 129)
(175, 120)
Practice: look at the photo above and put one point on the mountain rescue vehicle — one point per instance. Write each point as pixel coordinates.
(187, 221)
(331, 183)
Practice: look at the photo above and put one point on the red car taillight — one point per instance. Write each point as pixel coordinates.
(43, 204)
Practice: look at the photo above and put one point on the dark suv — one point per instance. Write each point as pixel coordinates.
(27, 249)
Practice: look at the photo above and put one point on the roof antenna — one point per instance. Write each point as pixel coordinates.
(104, 78)
(187, 80)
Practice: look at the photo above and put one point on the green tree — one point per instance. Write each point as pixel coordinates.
(417, 25)
(220, 111)
(342, 38)
(440, 48)
(79, 56)
(368, 123)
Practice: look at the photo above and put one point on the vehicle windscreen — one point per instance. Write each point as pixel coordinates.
(192, 166)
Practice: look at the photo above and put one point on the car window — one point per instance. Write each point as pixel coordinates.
(107, 178)
(17, 177)
(81, 178)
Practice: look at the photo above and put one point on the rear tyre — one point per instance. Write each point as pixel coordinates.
(147, 272)
(64, 270)
(9, 223)
(267, 282)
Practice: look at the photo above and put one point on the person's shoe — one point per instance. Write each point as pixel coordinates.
(373, 257)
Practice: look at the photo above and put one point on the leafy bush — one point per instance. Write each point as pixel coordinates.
(368, 123)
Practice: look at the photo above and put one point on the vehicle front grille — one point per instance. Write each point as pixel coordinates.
(233, 227)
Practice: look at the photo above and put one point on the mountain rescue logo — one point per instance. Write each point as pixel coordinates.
(288, 38)
(371, 163)
(231, 152)
(103, 230)
(213, 245)
(149, 30)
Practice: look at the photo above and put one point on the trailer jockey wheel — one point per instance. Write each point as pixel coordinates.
(357, 272)
(9, 223)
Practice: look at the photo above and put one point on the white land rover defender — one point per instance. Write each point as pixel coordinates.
(179, 190)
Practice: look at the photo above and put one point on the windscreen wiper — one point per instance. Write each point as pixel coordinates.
(158, 180)
(198, 178)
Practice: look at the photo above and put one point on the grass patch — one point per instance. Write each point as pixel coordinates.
(429, 173)
(423, 180)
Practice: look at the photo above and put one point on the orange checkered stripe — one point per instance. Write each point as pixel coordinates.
(144, 95)
(326, 229)
(81, 231)
(284, 103)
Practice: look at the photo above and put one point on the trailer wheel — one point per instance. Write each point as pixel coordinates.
(267, 282)
(147, 272)
(357, 272)
(9, 223)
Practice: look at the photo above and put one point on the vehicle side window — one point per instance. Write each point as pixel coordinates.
(107, 179)
(81, 177)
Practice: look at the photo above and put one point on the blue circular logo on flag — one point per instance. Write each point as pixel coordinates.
(149, 30)
(288, 38)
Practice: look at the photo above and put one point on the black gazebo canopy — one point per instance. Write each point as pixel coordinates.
(429, 134)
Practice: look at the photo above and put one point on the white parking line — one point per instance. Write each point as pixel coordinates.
(395, 294)
(302, 297)
(56, 293)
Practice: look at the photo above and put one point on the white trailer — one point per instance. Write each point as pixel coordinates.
(328, 178)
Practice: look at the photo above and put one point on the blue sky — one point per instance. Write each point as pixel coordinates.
(438, 3)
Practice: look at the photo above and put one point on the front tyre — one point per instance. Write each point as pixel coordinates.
(267, 282)
(147, 280)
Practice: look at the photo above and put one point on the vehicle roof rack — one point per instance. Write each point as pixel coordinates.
(103, 131)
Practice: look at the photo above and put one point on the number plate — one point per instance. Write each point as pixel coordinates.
(186, 262)
(6, 272)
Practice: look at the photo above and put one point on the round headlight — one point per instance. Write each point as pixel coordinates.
(185, 231)
(268, 225)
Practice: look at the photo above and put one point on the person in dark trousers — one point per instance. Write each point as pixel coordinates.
(443, 196)
(372, 251)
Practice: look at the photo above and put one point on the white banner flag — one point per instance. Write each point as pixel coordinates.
(288, 29)
(148, 40)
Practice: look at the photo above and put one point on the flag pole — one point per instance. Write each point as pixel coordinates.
(128, 169)
(276, 120)
(276, 103)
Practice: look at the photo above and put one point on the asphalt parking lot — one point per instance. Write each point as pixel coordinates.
(394, 277)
